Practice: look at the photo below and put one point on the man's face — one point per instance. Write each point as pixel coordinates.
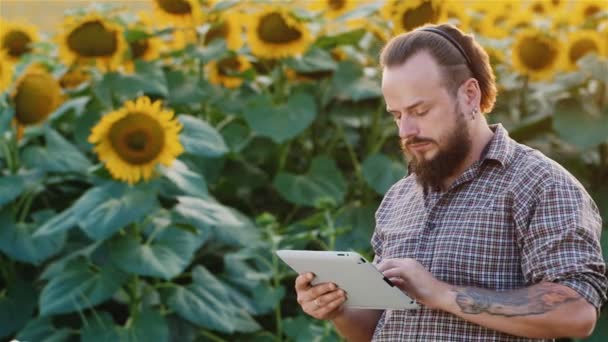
(433, 130)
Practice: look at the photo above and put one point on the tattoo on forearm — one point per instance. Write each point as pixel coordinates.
(534, 300)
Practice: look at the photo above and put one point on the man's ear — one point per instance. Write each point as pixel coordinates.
(470, 93)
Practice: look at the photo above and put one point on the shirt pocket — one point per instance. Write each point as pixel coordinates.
(400, 241)
(478, 248)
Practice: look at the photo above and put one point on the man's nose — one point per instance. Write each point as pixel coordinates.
(407, 127)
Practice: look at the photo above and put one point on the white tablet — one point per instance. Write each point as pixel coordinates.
(366, 287)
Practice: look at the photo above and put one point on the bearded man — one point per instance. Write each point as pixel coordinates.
(494, 239)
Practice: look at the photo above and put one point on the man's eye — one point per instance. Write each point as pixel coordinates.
(422, 113)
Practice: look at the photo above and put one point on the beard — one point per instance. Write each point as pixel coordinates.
(456, 146)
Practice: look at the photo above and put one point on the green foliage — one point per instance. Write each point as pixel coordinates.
(282, 161)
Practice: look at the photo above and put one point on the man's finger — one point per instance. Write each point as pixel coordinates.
(303, 281)
(385, 264)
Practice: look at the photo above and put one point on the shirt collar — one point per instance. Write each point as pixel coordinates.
(500, 147)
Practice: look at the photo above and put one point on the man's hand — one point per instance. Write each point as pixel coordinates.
(411, 277)
(322, 301)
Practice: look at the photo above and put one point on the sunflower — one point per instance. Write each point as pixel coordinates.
(274, 33)
(181, 13)
(6, 73)
(535, 54)
(332, 8)
(132, 140)
(585, 12)
(494, 24)
(225, 71)
(74, 78)
(457, 16)
(15, 39)
(580, 43)
(92, 38)
(412, 14)
(521, 19)
(227, 27)
(35, 96)
(145, 49)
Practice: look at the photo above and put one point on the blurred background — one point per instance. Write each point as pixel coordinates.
(155, 153)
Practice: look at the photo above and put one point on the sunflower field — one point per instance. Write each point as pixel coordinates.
(151, 163)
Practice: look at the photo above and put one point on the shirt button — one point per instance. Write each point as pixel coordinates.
(431, 225)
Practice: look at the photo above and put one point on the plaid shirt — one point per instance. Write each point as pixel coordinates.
(513, 219)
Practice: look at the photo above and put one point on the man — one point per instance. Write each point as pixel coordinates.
(495, 240)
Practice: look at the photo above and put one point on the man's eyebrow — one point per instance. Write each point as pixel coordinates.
(410, 107)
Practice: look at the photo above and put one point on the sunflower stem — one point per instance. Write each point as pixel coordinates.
(8, 156)
(25, 210)
(276, 280)
(351, 153)
(283, 156)
(211, 336)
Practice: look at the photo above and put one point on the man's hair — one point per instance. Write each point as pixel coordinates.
(453, 64)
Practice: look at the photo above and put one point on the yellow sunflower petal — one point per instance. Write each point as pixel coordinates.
(179, 13)
(92, 38)
(223, 72)
(228, 27)
(581, 43)
(411, 14)
(536, 54)
(16, 39)
(131, 141)
(274, 33)
(6, 73)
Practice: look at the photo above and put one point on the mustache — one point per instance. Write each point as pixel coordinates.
(415, 140)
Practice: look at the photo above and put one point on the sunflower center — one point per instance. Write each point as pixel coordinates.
(418, 16)
(591, 11)
(92, 39)
(581, 48)
(217, 31)
(228, 66)
(41, 87)
(336, 5)
(137, 138)
(274, 29)
(17, 43)
(175, 6)
(537, 53)
(139, 48)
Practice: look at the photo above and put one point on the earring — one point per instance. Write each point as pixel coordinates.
(474, 113)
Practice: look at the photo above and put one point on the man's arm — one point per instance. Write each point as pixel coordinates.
(357, 324)
(544, 310)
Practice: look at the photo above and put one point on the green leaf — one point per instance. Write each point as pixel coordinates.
(77, 104)
(168, 253)
(356, 224)
(205, 302)
(17, 306)
(119, 206)
(10, 188)
(102, 210)
(184, 179)
(226, 224)
(380, 172)
(42, 329)
(280, 122)
(577, 127)
(183, 89)
(349, 83)
(58, 156)
(17, 241)
(346, 38)
(314, 60)
(200, 139)
(80, 286)
(324, 179)
(100, 327)
(147, 325)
